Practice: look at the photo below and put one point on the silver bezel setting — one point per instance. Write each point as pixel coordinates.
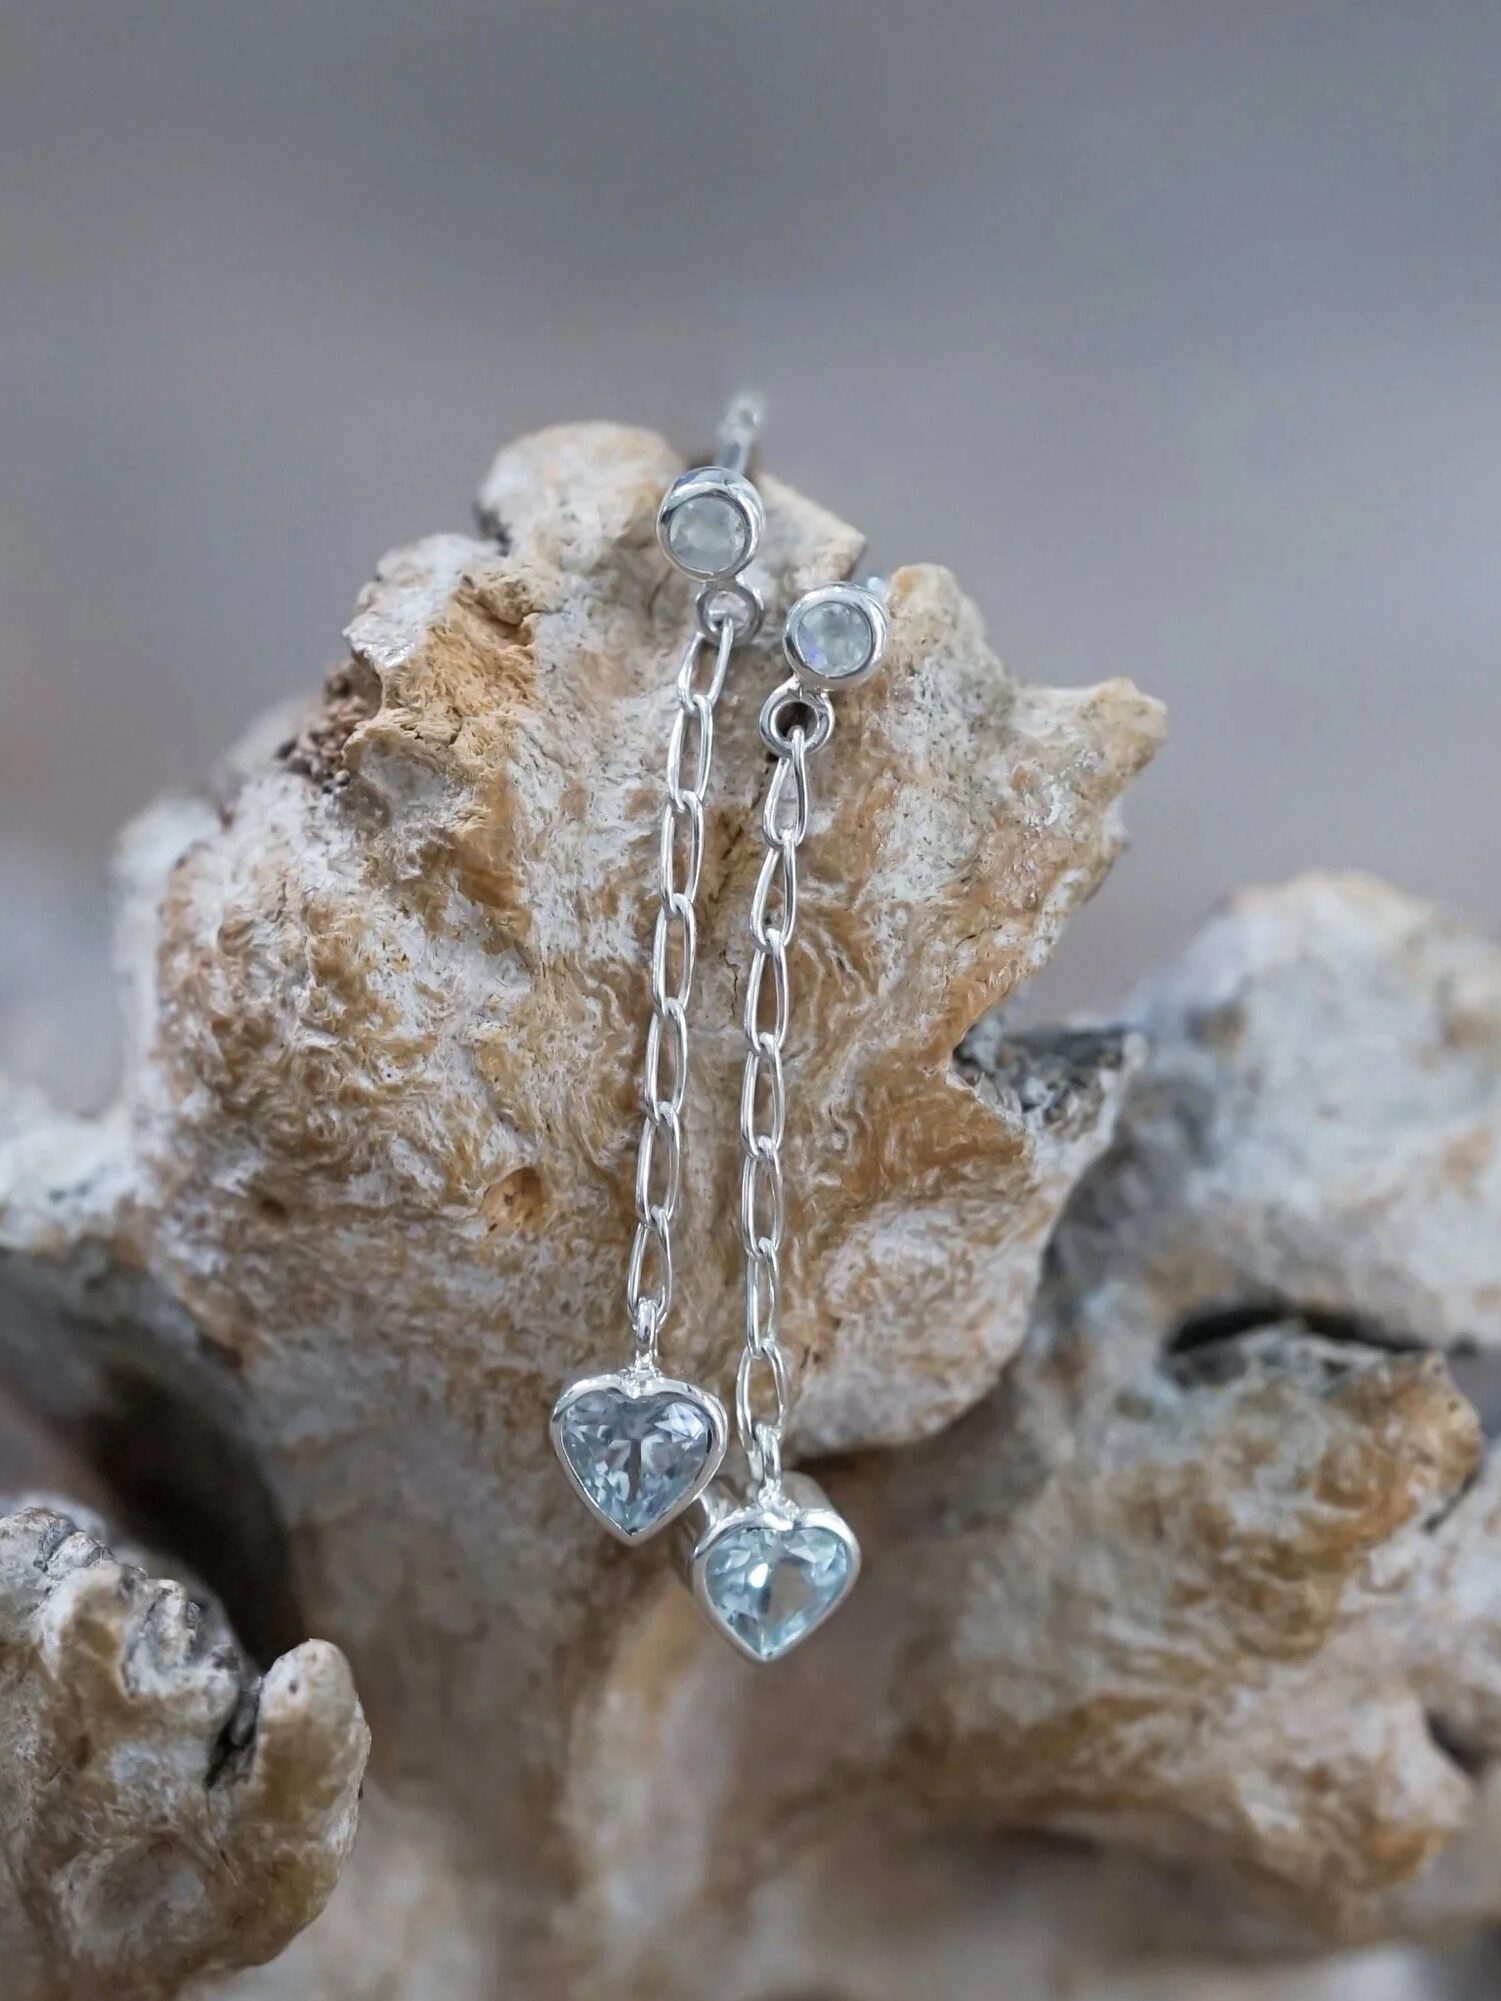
(794, 1502)
(713, 482)
(638, 1381)
(859, 600)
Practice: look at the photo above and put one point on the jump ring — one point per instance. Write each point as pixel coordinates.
(784, 717)
(731, 603)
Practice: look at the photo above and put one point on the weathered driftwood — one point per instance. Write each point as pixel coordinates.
(162, 1812)
(1203, 1579)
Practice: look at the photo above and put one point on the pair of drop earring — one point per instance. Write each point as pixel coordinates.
(767, 1558)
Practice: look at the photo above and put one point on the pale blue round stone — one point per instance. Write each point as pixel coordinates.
(708, 535)
(834, 639)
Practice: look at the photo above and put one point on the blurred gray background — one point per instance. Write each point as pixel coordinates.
(1173, 328)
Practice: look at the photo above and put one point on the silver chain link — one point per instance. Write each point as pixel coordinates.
(793, 723)
(674, 958)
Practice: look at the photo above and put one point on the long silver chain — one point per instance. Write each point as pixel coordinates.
(674, 959)
(766, 1019)
(726, 610)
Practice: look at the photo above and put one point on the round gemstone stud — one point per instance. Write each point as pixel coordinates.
(710, 522)
(707, 536)
(836, 635)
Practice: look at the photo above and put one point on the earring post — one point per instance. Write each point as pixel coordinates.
(738, 433)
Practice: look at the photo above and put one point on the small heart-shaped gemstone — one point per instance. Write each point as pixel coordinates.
(770, 1582)
(638, 1455)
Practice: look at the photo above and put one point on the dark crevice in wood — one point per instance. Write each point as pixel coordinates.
(1209, 1326)
(1460, 1750)
(164, 1431)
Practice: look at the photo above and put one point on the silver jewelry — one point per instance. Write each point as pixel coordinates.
(640, 1446)
(769, 1566)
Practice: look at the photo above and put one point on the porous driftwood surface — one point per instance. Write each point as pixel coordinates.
(1154, 1358)
(162, 1811)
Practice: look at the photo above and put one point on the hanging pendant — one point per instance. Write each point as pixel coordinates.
(639, 1447)
(766, 1572)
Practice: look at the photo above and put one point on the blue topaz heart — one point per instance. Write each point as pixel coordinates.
(638, 1447)
(769, 1573)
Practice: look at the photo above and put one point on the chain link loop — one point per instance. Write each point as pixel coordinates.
(791, 725)
(755, 1431)
(674, 961)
